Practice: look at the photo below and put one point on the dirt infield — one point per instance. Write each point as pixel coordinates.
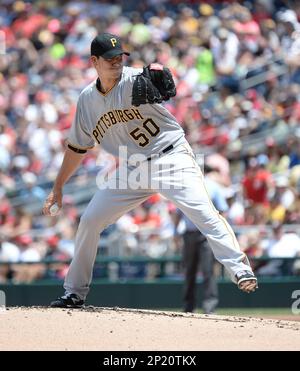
(126, 329)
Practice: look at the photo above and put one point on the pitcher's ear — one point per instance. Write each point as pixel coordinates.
(94, 60)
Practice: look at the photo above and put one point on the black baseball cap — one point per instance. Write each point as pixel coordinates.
(107, 46)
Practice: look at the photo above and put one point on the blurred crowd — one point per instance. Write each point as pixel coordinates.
(237, 69)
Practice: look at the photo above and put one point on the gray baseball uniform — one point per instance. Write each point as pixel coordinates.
(111, 121)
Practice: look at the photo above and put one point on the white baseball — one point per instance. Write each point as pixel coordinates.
(54, 209)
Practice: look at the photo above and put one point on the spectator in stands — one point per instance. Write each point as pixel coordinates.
(28, 253)
(283, 244)
(257, 182)
(224, 46)
(9, 253)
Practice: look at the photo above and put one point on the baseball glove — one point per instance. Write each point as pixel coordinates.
(153, 85)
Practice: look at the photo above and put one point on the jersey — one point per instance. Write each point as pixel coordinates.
(111, 121)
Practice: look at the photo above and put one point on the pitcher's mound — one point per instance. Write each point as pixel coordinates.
(39, 328)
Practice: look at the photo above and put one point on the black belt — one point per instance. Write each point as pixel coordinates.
(167, 149)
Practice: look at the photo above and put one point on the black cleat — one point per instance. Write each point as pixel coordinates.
(246, 281)
(67, 301)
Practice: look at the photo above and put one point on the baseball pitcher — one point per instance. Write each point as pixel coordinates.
(122, 107)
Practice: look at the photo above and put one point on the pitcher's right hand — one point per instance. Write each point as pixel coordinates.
(54, 197)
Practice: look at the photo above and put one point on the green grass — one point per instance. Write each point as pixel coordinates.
(254, 311)
(264, 312)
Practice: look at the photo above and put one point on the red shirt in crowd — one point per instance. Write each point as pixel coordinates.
(256, 186)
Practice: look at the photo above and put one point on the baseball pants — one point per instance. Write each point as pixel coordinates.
(177, 177)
